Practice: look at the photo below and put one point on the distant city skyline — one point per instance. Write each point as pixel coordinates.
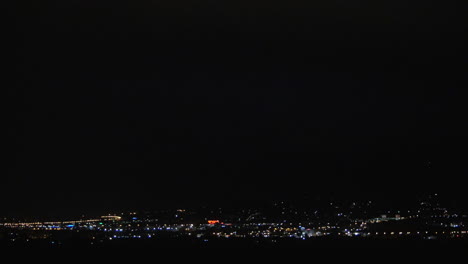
(277, 222)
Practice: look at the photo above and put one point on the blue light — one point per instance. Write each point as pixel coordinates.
(70, 225)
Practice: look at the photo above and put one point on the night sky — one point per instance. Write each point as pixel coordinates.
(160, 103)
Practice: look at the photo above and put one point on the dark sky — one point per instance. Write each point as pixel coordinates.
(173, 102)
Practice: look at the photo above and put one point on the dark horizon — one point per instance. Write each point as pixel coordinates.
(148, 104)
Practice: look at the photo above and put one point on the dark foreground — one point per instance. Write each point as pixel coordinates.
(461, 244)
